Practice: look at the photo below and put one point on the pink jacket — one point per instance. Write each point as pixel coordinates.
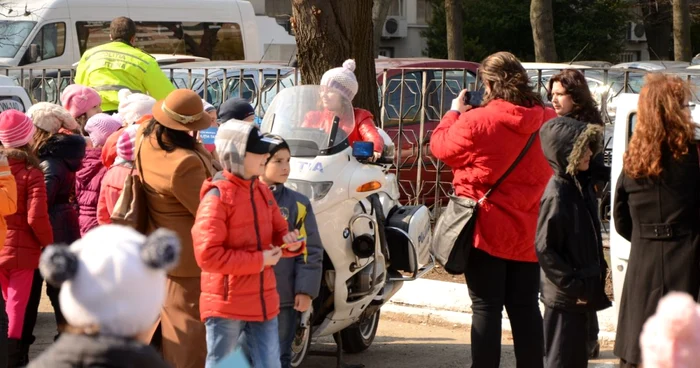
(112, 185)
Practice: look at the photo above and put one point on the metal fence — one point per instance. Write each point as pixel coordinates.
(412, 101)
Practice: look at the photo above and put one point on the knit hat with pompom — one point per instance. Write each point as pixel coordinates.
(343, 79)
(113, 279)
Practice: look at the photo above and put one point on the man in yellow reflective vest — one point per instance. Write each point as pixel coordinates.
(117, 65)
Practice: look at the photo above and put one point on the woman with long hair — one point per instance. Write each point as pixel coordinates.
(657, 208)
(572, 98)
(502, 268)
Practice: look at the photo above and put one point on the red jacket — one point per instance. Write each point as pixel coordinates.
(111, 189)
(479, 146)
(364, 129)
(230, 232)
(29, 229)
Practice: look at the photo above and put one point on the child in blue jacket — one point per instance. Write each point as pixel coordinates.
(299, 278)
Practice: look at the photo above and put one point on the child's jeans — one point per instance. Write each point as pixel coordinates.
(288, 323)
(261, 339)
(16, 287)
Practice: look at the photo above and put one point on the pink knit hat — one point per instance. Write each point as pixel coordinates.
(16, 129)
(343, 79)
(100, 127)
(126, 144)
(79, 99)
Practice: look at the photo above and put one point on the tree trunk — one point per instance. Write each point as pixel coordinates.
(542, 22)
(455, 36)
(379, 12)
(330, 31)
(658, 28)
(682, 48)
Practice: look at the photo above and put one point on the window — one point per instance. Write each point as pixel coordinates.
(14, 33)
(409, 110)
(215, 41)
(51, 40)
(424, 12)
(397, 8)
(632, 123)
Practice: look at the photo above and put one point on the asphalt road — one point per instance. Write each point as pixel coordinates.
(401, 341)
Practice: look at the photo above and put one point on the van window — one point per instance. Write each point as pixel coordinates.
(630, 128)
(215, 41)
(14, 33)
(51, 40)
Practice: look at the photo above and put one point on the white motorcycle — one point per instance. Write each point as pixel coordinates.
(372, 243)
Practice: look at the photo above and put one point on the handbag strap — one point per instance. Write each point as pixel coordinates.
(512, 166)
(138, 159)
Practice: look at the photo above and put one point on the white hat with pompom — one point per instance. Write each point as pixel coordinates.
(343, 79)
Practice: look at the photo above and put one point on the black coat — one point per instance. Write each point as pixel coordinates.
(60, 158)
(568, 242)
(661, 219)
(82, 351)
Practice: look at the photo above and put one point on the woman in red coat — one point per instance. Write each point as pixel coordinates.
(479, 144)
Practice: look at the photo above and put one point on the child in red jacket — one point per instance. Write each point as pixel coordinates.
(340, 88)
(28, 230)
(237, 236)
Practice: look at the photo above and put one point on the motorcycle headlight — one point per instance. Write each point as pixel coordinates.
(314, 190)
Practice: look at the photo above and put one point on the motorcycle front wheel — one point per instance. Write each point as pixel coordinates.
(301, 346)
(359, 336)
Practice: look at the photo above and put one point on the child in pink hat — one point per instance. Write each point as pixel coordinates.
(339, 88)
(88, 180)
(82, 103)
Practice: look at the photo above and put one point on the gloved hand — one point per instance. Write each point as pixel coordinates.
(375, 156)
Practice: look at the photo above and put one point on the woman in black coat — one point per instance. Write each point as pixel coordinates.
(657, 208)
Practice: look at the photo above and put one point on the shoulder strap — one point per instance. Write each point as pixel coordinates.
(512, 166)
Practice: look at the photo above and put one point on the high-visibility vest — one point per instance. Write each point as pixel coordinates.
(117, 65)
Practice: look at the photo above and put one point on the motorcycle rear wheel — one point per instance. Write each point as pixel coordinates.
(359, 336)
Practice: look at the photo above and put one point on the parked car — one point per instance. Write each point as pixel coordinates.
(12, 96)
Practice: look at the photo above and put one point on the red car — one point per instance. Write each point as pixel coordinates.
(429, 86)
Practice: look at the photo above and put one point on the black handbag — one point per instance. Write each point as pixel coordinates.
(454, 230)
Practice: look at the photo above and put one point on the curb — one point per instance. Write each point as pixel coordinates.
(449, 303)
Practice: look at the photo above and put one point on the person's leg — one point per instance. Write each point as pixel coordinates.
(18, 291)
(52, 292)
(486, 282)
(263, 344)
(565, 339)
(183, 333)
(288, 321)
(222, 339)
(3, 334)
(522, 305)
(593, 329)
(30, 316)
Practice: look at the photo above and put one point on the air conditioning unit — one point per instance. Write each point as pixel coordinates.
(636, 32)
(395, 27)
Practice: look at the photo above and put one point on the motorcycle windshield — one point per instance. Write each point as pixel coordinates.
(314, 120)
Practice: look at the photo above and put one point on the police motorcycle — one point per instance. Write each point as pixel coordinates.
(372, 243)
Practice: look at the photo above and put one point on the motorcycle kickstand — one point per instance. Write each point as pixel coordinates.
(339, 354)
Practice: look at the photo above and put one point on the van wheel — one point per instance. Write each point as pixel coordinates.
(359, 337)
(300, 346)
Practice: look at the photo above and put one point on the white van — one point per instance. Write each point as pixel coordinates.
(625, 119)
(58, 32)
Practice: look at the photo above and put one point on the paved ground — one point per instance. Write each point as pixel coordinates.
(401, 342)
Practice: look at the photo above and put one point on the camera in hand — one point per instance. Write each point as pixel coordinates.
(473, 98)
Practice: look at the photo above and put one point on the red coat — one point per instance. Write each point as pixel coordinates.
(364, 129)
(479, 146)
(230, 232)
(29, 229)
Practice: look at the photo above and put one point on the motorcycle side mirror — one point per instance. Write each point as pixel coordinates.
(362, 150)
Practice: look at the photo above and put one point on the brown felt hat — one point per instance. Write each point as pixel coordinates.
(182, 110)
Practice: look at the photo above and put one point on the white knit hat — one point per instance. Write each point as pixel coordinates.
(113, 279)
(51, 117)
(134, 106)
(343, 79)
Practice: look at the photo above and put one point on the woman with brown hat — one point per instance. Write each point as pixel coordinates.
(173, 166)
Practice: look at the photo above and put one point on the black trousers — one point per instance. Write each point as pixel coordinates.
(593, 327)
(30, 315)
(4, 325)
(565, 337)
(494, 283)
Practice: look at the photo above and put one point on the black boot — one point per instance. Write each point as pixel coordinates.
(593, 349)
(24, 351)
(14, 353)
